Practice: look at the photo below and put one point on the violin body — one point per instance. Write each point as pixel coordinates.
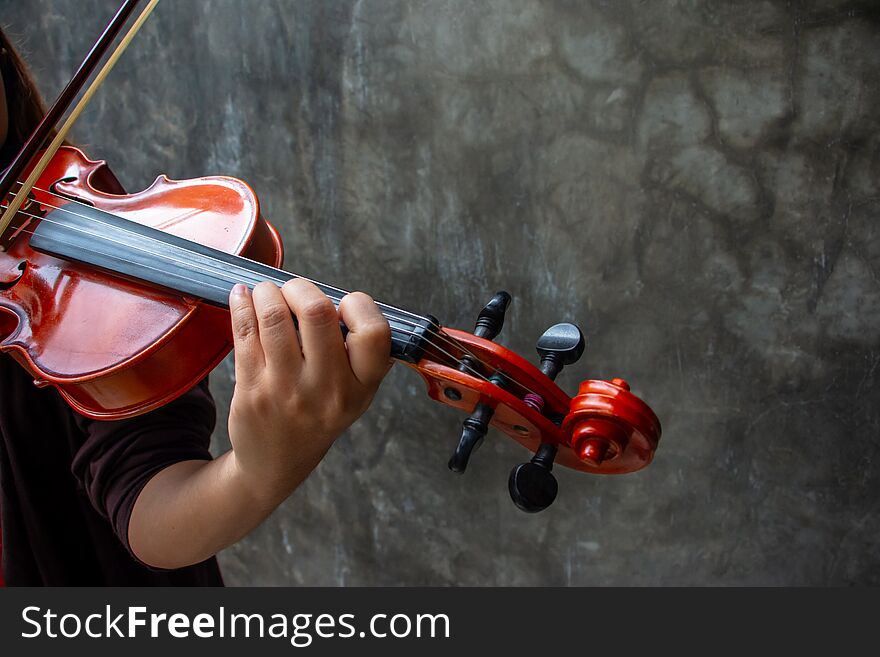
(113, 347)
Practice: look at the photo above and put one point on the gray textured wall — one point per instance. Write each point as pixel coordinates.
(695, 182)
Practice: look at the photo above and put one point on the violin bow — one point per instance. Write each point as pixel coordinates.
(63, 102)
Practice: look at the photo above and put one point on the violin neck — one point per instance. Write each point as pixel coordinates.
(100, 239)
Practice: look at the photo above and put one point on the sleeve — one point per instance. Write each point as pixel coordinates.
(118, 458)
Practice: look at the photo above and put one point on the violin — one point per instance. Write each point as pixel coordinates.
(120, 302)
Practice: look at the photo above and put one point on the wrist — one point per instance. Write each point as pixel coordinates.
(260, 489)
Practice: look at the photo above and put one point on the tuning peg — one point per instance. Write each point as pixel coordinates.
(560, 345)
(473, 431)
(491, 318)
(532, 485)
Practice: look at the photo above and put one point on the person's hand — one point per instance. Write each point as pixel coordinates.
(294, 394)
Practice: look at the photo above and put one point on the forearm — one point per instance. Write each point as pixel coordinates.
(295, 392)
(193, 509)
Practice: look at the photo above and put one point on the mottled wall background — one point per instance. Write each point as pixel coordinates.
(696, 183)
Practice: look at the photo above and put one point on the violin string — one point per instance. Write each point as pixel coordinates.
(448, 340)
(81, 203)
(445, 337)
(221, 262)
(452, 357)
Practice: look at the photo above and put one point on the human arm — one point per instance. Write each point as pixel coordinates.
(294, 394)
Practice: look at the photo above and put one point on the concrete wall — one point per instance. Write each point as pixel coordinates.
(696, 183)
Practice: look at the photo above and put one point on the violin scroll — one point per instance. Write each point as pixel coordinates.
(608, 425)
(604, 429)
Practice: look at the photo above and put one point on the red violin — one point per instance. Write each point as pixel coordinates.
(120, 302)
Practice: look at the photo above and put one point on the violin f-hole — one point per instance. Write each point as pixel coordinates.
(57, 192)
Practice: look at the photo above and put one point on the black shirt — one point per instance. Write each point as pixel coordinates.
(68, 484)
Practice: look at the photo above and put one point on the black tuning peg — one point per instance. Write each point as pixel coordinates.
(473, 431)
(491, 318)
(532, 485)
(560, 345)
(489, 323)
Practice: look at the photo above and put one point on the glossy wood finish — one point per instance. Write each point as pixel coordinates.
(602, 410)
(116, 348)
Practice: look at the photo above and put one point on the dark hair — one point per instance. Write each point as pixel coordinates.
(24, 104)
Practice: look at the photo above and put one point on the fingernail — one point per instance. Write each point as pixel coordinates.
(239, 290)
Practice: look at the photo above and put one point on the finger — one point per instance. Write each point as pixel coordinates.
(249, 358)
(320, 337)
(277, 333)
(368, 339)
